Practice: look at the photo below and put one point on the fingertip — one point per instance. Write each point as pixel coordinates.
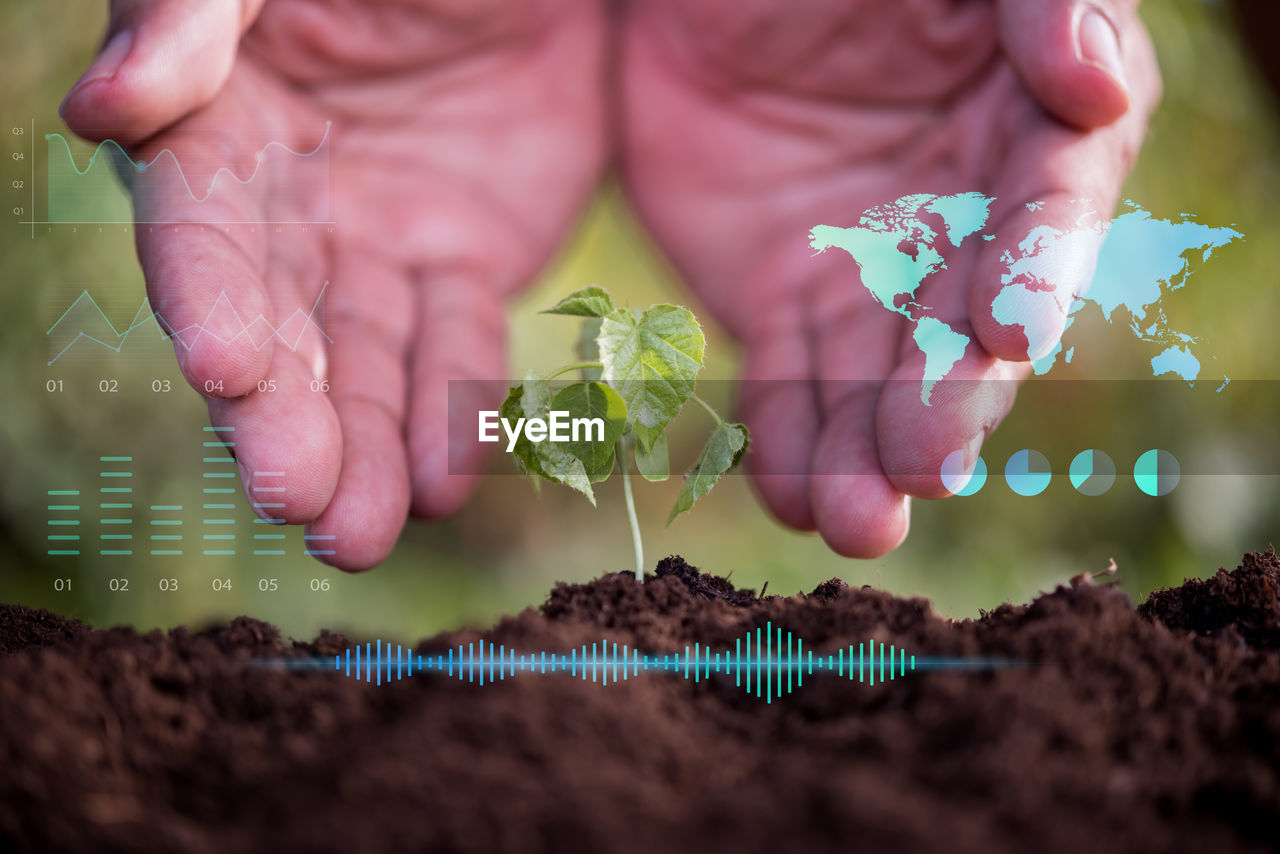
(330, 540)
(787, 498)
(456, 360)
(1099, 51)
(447, 461)
(290, 474)
(344, 560)
(1026, 334)
(95, 98)
(166, 60)
(1029, 278)
(1089, 98)
(918, 471)
(209, 299)
(861, 516)
(287, 446)
(783, 420)
(223, 371)
(438, 492)
(919, 427)
(439, 499)
(1108, 102)
(1071, 57)
(363, 521)
(857, 510)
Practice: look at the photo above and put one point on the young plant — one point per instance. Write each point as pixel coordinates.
(638, 371)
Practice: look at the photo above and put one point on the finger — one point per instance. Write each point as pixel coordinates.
(299, 268)
(947, 393)
(1041, 258)
(1055, 192)
(206, 281)
(1075, 56)
(287, 442)
(161, 60)
(369, 316)
(779, 407)
(856, 508)
(916, 437)
(461, 339)
(202, 192)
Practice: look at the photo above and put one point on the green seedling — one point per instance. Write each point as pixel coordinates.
(638, 371)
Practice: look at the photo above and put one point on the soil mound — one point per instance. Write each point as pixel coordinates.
(1119, 730)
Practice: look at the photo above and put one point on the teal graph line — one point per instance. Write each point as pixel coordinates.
(144, 314)
(771, 663)
(141, 166)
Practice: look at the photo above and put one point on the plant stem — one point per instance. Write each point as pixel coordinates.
(707, 407)
(631, 514)
(576, 366)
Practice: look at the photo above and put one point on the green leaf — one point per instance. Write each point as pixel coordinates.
(652, 362)
(592, 301)
(585, 347)
(654, 466)
(594, 446)
(547, 460)
(512, 409)
(724, 449)
(563, 467)
(536, 399)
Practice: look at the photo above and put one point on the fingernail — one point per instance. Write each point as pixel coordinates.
(108, 61)
(1098, 44)
(972, 449)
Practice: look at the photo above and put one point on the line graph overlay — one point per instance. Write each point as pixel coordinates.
(95, 194)
(84, 321)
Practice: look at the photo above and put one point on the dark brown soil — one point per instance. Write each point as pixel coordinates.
(1154, 730)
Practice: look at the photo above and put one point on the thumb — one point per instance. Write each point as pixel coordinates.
(1072, 54)
(161, 60)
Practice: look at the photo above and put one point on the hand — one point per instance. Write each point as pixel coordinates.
(745, 124)
(465, 137)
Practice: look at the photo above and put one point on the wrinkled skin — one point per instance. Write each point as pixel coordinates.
(746, 125)
(467, 138)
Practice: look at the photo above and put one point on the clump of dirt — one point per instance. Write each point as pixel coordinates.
(1120, 730)
(1244, 601)
(28, 628)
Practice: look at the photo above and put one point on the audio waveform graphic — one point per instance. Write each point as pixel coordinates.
(768, 663)
(89, 324)
(94, 194)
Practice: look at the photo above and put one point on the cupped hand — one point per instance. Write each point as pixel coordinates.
(464, 138)
(745, 123)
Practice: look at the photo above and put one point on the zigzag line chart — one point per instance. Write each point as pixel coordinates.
(89, 325)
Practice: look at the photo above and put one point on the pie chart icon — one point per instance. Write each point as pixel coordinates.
(1157, 472)
(957, 481)
(1092, 472)
(1028, 472)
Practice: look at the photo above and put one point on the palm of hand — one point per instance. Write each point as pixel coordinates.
(463, 143)
(745, 127)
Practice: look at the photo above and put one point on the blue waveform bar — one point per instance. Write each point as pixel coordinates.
(768, 663)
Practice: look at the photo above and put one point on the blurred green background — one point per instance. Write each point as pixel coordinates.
(1211, 151)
